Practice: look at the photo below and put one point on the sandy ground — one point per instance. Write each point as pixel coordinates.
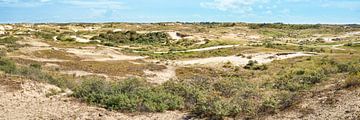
(160, 77)
(261, 58)
(349, 34)
(39, 59)
(102, 54)
(173, 35)
(33, 101)
(33, 43)
(325, 104)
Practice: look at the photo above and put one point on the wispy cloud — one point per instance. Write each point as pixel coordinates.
(94, 4)
(108, 4)
(241, 6)
(22, 3)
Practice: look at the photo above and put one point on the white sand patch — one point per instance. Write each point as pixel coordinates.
(117, 30)
(162, 76)
(105, 54)
(261, 58)
(353, 33)
(81, 40)
(2, 28)
(54, 38)
(174, 35)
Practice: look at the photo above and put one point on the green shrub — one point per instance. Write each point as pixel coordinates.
(9, 40)
(130, 95)
(214, 108)
(253, 65)
(7, 65)
(65, 38)
(299, 79)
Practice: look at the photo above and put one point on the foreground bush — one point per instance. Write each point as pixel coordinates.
(128, 96)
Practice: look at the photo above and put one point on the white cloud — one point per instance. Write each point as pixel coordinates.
(94, 4)
(231, 5)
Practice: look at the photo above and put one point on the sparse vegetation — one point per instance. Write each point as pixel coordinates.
(216, 90)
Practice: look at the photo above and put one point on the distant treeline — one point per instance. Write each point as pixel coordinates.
(284, 26)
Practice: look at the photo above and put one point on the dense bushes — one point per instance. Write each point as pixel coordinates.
(9, 40)
(253, 65)
(7, 66)
(133, 37)
(300, 79)
(129, 96)
(306, 76)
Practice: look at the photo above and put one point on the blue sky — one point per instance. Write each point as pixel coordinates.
(286, 11)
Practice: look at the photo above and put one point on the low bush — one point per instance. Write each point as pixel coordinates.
(129, 96)
(7, 65)
(353, 80)
(253, 65)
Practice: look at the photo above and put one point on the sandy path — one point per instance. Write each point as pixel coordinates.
(348, 34)
(30, 102)
(197, 50)
(261, 58)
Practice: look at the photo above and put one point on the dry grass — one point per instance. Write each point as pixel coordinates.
(114, 68)
(57, 54)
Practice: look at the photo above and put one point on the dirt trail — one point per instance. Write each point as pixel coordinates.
(346, 35)
(261, 58)
(31, 102)
(196, 50)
